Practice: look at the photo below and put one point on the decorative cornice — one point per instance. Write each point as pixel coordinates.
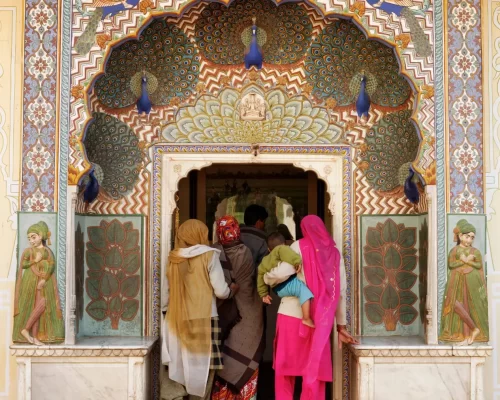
(421, 351)
(141, 349)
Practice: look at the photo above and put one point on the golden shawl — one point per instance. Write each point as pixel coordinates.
(190, 304)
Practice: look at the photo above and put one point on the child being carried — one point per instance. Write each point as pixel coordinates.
(293, 286)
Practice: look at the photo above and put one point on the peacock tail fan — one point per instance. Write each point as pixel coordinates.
(113, 148)
(418, 36)
(87, 39)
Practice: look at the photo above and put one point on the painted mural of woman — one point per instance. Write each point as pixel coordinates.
(37, 310)
(465, 304)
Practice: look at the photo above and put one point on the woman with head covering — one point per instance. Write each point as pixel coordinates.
(300, 350)
(465, 305)
(37, 309)
(243, 347)
(191, 340)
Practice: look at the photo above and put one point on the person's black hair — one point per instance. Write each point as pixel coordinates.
(283, 229)
(254, 213)
(275, 239)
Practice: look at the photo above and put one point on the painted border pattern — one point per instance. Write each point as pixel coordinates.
(465, 115)
(40, 106)
(63, 145)
(440, 153)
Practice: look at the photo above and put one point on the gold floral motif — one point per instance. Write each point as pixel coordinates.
(225, 81)
(144, 5)
(363, 166)
(282, 80)
(253, 75)
(363, 147)
(200, 87)
(358, 8)
(102, 39)
(73, 175)
(307, 89)
(427, 91)
(174, 102)
(331, 103)
(403, 40)
(430, 174)
(77, 92)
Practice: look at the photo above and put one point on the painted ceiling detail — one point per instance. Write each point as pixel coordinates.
(223, 32)
(341, 53)
(217, 120)
(162, 51)
(113, 150)
(389, 146)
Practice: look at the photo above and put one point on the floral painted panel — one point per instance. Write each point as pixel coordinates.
(390, 275)
(109, 275)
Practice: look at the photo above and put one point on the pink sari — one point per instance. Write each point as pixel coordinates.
(321, 260)
(299, 350)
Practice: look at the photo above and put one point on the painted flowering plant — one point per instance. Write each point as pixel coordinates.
(390, 257)
(113, 257)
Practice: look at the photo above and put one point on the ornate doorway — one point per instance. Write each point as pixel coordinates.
(171, 163)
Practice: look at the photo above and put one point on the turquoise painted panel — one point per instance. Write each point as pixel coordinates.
(109, 275)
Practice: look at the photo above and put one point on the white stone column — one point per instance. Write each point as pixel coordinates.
(70, 315)
(431, 304)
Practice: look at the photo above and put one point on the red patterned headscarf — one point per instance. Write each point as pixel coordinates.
(228, 230)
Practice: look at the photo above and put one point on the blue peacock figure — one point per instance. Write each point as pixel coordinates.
(144, 104)
(402, 8)
(363, 102)
(410, 187)
(104, 9)
(253, 55)
(89, 188)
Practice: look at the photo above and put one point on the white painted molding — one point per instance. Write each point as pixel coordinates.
(365, 378)
(432, 299)
(136, 381)
(23, 378)
(70, 315)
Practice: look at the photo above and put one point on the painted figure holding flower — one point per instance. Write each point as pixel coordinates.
(465, 306)
(37, 310)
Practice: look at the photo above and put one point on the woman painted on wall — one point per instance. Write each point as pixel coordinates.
(37, 310)
(465, 307)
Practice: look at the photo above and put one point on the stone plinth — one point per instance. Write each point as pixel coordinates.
(94, 368)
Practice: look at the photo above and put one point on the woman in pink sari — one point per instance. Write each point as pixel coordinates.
(300, 350)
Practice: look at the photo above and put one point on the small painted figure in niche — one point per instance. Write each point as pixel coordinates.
(465, 305)
(37, 309)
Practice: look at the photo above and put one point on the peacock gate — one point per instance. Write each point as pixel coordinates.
(129, 118)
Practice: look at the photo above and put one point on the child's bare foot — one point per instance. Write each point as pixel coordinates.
(308, 322)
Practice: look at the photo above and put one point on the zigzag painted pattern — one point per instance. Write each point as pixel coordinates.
(369, 202)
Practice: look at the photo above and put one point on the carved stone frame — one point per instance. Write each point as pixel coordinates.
(172, 162)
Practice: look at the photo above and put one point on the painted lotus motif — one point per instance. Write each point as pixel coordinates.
(113, 257)
(390, 258)
(217, 120)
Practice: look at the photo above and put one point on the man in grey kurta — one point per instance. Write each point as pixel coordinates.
(252, 233)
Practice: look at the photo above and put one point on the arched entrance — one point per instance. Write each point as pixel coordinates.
(171, 163)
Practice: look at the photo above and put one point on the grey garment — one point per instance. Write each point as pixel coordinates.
(171, 390)
(256, 241)
(208, 391)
